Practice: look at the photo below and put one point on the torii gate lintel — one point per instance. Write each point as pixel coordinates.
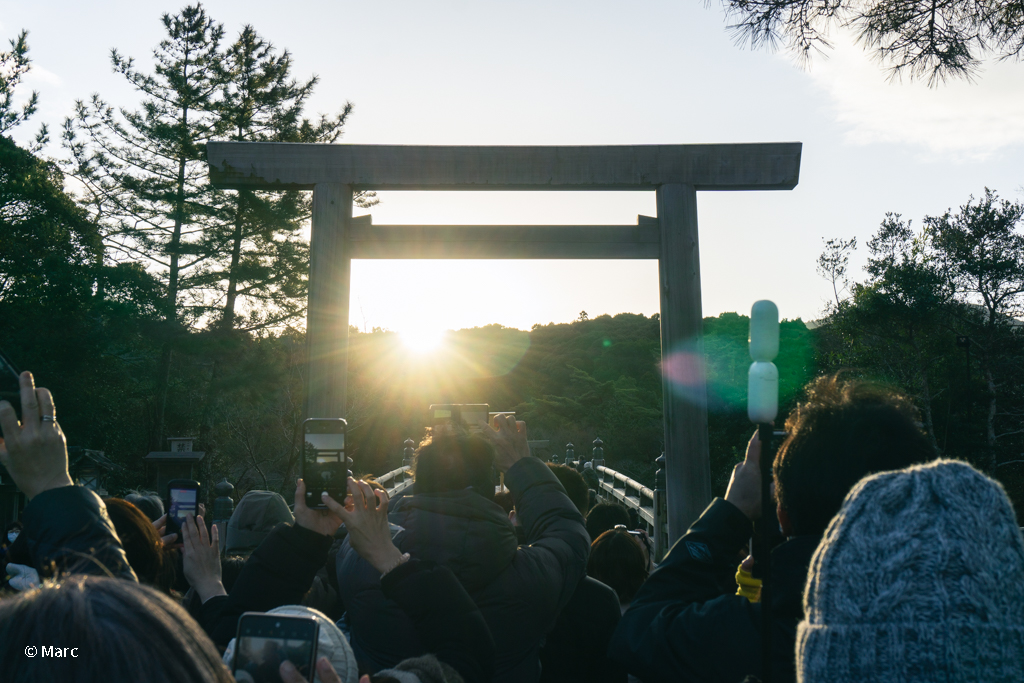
(675, 172)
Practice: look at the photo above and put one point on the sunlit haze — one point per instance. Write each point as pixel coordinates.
(572, 73)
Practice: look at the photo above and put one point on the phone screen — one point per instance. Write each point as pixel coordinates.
(183, 502)
(266, 640)
(324, 465)
(472, 417)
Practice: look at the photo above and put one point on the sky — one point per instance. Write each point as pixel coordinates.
(568, 72)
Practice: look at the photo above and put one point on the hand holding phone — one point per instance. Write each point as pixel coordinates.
(266, 641)
(324, 463)
(182, 500)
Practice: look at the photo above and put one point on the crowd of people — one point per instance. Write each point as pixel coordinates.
(891, 565)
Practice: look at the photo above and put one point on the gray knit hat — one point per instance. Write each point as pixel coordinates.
(920, 577)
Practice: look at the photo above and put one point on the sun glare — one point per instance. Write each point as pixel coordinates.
(422, 340)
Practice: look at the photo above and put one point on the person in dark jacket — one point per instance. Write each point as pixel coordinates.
(66, 527)
(451, 520)
(576, 647)
(686, 622)
(279, 572)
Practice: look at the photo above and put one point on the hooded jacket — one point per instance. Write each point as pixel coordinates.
(253, 519)
(519, 590)
(686, 623)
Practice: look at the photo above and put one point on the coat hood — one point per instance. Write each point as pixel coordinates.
(461, 530)
(254, 518)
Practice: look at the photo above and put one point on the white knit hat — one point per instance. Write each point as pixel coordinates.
(920, 577)
(331, 643)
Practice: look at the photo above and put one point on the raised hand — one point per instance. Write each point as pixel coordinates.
(509, 439)
(200, 554)
(34, 451)
(161, 529)
(367, 524)
(745, 484)
(324, 522)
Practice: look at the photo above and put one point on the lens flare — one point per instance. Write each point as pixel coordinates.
(422, 340)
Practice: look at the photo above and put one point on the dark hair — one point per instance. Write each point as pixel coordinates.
(122, 632)
(141, 543)
(605, 516)
(846, 429)
(230, 568)
(11, 526)
(574, 485)
(453, 463)
(618, 560)
(148, 502)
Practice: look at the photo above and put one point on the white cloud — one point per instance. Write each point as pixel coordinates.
(41, 76)
(956, 118)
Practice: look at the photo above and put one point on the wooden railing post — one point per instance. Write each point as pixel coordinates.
(660, 546)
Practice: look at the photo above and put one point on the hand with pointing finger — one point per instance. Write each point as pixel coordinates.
(745, 484)
(33, 451)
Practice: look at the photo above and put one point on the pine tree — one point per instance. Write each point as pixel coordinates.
(261, 272)
(146, 174)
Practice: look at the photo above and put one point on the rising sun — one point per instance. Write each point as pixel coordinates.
(422, 340)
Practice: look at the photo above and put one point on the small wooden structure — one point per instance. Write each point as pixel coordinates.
(675, 172)
(177, 463)
(89, 468)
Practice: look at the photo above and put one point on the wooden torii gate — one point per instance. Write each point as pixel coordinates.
(674, 172)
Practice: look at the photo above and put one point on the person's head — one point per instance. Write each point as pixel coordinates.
(109, 630)
(575, 487)
(148, 502)
(605, 516)
(453, 463)
(618, 560)
(12, 532)
(253, 519)
(919, 577)
(141, 542)
(845, 430)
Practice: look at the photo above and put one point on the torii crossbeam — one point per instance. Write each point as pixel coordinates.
(675, 172)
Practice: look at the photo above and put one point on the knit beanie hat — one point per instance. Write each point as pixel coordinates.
(919, 578)
(254, 518)
(331, 644)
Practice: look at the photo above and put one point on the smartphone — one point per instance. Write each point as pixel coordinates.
(324, 464)
(10, 383)
(264, 641)
(182, 499)
(468, 416)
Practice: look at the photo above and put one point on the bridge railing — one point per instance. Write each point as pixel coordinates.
(396, 481)
(648, 503)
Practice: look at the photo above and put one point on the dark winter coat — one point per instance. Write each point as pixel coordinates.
(576, 648)
(279, 572)
(687, 624)
(519, 590)
(67, 529)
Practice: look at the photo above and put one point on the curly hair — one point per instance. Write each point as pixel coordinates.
(846, 429)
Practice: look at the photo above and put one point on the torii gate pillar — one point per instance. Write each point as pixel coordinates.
(675, 172)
